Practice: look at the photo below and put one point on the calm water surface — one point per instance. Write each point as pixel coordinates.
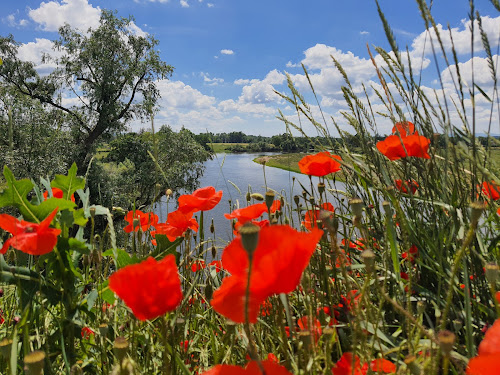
(235, 174)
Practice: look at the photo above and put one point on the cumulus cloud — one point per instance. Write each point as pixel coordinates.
(136, 30)
(54, 14)
(227, 51)
(35, 51)
(176, 94)
(242, 81)
(364, 32)
(210, 5)
(461, 36)
(184, 4)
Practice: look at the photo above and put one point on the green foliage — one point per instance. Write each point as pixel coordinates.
(110, 68)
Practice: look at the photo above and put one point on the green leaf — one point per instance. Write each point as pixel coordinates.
(165, 247)
(68, 184)
(107, 294)
(122, 258)
(79, 217)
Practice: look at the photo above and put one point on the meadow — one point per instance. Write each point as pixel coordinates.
(396, 274)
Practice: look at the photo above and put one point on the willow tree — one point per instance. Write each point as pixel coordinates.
(111, 70)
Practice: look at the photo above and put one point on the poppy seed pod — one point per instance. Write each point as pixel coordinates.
(34, 361)
(368, 257)
(476, 211)
(491, 272)
(5, 345)
(168, 192)
(387, 208)
(249, 237)
(103, 329)
(446, 341)
(321, 187)
(296, 199)
(120, 347)
(356, 206)
(92, 212)
(269, 199)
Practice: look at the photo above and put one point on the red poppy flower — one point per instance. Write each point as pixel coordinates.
(150, 288)
(382, 366)
(281, 256)
(248, 213)
(404, 128)
(276, 206)
(312, 216)
(177, 224)
(198, 265)
(491, 190)
(415, 145)
(56, 193)
(145, 220)
(272, 357)
(252, 368)
(411, 254)
(30, 238)
(491, 341)
(484, 365)
(406, 186)
(320, 164)
(349, 365)
(266, 308)
(203, 199)
(314, 327)
(87, 332)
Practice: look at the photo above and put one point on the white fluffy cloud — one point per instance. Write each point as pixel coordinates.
(184, 3)
(34, 52)
(227, 51)
(461, 37)
(210, 81)
(11, 21)
(54, 14)
(176, 94)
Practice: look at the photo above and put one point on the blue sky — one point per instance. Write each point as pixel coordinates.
(229, 55)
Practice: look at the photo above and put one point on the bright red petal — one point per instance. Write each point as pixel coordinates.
(491, 341)
(484, 365)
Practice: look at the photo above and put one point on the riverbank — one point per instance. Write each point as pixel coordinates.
(289, 162)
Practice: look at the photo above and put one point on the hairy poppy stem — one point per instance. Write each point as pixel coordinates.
(252, 350)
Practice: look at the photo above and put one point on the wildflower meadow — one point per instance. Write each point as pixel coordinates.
(397, 273)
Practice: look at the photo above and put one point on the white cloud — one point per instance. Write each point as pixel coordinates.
(78, 13)
(242, 81)
(176, 94)
(211, 81)
(210, 5)
(483, 76)
(364, 32)
(227, 51)
(10, 20)
(289, 64)
(461, 36)
(184, 4)
(34, 52)
(136, 30)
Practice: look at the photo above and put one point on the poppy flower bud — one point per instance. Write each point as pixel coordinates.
(269, 199)
(257, 197)
(304, 194)
(321, 188)
(457, 325)
(356, 206)
(368, 257)
(446, 341)
(491, 272)
(411, 363)
(33, 362)
(120, 347)
(477, 209)
(214, 251)
(76, 370)
(212, 227)
(103, 329)
(5, 345)
(296, 199)
(248, 196)
(249, 237)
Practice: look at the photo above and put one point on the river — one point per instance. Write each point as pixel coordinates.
(235, 174)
